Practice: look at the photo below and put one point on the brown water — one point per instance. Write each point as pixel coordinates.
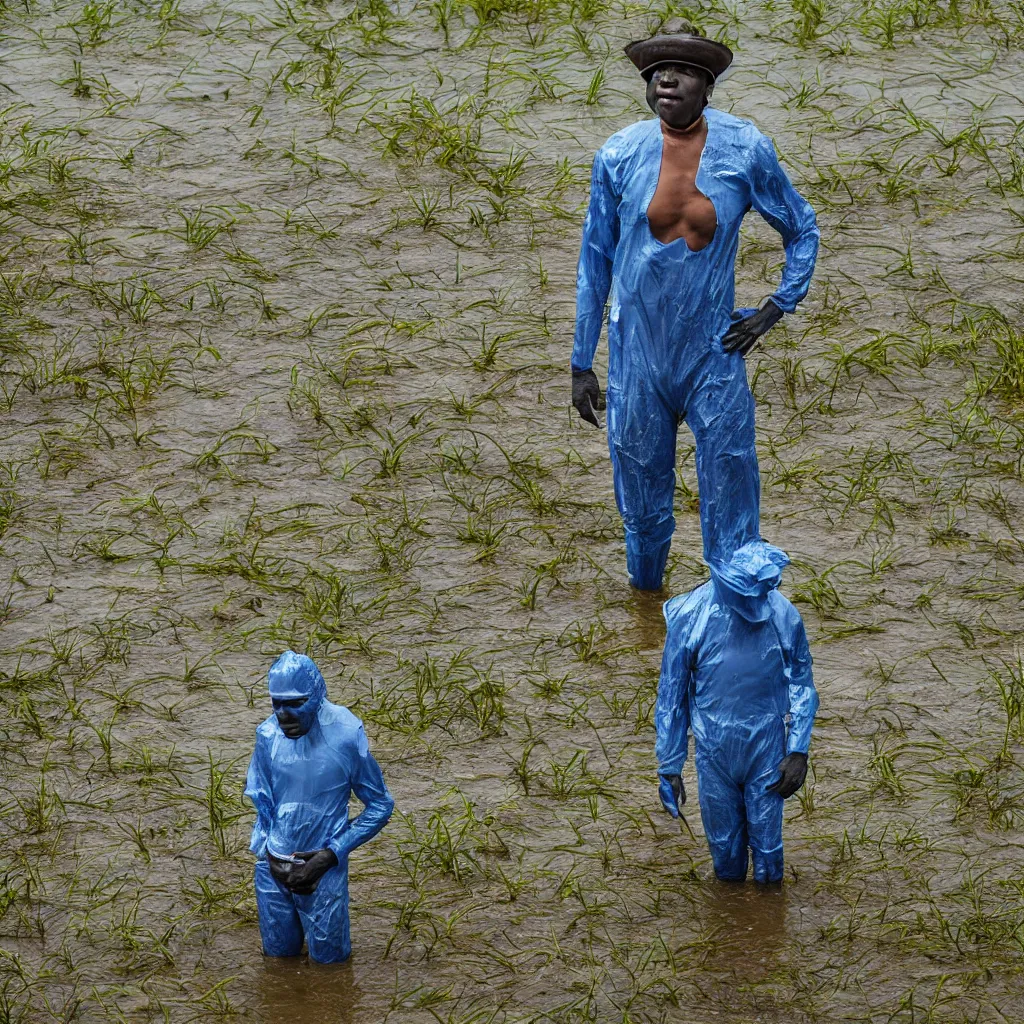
(286, 310)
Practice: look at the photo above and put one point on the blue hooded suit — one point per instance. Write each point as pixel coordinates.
(737, 673)
(300, 788)
(670, 307)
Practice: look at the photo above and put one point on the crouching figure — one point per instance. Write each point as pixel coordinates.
(737, 673)
(310, 756)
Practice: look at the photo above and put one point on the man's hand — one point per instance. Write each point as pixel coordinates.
(586, 395)
(744, 334)
(672, 793)
(303, 878)
(280, 869)
(792, 772)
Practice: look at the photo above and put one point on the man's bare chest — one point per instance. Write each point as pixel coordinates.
(679, 209)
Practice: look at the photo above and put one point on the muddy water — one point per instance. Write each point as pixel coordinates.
(284, 366)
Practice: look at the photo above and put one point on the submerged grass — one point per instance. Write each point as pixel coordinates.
(286, 300)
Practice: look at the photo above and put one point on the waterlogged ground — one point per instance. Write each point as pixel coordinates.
(285, 313)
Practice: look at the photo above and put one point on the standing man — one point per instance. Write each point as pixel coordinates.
(667, 199)
(737, 674)
(310, 756)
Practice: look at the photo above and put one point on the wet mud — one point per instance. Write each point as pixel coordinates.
(286, 299)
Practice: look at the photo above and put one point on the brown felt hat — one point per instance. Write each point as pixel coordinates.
(683, 48)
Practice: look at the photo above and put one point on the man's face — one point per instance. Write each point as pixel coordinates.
(288, 717)
(677, 93)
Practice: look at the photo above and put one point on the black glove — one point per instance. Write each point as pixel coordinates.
(743, 334)
(303, 878)
(672, 793)
(586, 395)
(792, 772)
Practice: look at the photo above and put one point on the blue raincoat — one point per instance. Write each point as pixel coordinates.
(300, 788)
(670, 307)
(737, 673)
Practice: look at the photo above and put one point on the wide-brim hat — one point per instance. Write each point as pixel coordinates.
(681, 48)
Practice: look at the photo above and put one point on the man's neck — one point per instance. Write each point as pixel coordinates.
(684, 134)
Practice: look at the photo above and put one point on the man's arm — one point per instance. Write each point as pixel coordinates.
(803, 703)
(773, 196)
(594, 271)
(672, 711)
(803, 697)
(368, 784)
(259, 790)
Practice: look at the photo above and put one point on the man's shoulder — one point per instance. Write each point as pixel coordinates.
(685, 607)
(784, 611)
(624, 142)
(339, 719)
(343, 731)
(739, 130)
(267, 727)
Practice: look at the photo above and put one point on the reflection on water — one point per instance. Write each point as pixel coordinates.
(290, 987)
(750, 928)
(645, 609)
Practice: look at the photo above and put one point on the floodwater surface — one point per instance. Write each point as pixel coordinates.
(286, 303)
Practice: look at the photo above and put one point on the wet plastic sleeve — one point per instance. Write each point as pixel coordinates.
(773, 196)
(803, 697)
(594, 272)
(258, 790)
(368, 785)
(672, 711)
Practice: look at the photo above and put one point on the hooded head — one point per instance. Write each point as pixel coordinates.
(744, 582)
(297, 689)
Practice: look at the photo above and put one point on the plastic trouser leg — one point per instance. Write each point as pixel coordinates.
(325, 917)
(280, 927)
(720, 412)
(725, 818)
(642, 442)
(764, 809)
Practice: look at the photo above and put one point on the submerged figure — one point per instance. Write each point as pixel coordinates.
(310, 755)
(736, 667)
(667, 199)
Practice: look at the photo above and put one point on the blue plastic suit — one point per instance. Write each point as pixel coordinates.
(736, 667)
(670, 307)
(300, 788)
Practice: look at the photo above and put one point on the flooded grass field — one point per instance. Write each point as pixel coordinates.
(286, 301)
